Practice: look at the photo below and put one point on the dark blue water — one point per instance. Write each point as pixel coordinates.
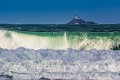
(62, 27)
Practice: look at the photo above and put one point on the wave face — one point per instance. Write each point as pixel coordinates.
(60, 40)
(26, 64)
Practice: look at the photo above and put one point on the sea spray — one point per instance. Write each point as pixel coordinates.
(60, 40)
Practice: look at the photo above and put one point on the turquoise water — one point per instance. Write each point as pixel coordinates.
(60, 40)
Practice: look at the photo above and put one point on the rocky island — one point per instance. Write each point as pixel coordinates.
(78, 21)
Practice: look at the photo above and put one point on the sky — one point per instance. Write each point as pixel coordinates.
(58, 11)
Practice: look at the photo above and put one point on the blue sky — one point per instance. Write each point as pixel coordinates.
(58, 11)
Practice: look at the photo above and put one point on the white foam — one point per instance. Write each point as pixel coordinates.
(56, 64)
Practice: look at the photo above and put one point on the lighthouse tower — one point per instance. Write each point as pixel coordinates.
(77, 17)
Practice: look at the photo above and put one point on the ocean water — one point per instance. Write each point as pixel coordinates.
(76, 52)
(60, 40)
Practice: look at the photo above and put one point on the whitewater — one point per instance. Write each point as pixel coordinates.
(26, 64)
(26, 55)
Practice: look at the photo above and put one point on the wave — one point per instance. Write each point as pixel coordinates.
(60, 64)
(60, 41)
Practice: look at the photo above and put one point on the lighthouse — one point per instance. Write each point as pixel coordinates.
(77, 17)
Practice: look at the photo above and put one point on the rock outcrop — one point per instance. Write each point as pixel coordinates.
(78, 21)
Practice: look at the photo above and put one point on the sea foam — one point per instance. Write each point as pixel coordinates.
(60, 64)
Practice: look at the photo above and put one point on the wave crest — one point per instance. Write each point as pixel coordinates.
(60, 41)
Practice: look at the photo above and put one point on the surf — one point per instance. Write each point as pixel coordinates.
(59, 40)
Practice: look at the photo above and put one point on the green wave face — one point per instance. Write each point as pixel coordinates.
(60, 40)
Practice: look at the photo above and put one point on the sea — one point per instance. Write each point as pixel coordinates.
(59, 52)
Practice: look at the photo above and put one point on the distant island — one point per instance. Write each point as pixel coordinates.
(78, 21)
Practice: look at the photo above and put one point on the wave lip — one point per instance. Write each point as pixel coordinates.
(59, 41)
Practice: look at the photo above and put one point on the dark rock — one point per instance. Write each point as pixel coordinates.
(78, 21)
(6, 77)
(44, 78)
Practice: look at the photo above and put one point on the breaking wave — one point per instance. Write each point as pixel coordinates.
(59, 55)
(59, 40)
